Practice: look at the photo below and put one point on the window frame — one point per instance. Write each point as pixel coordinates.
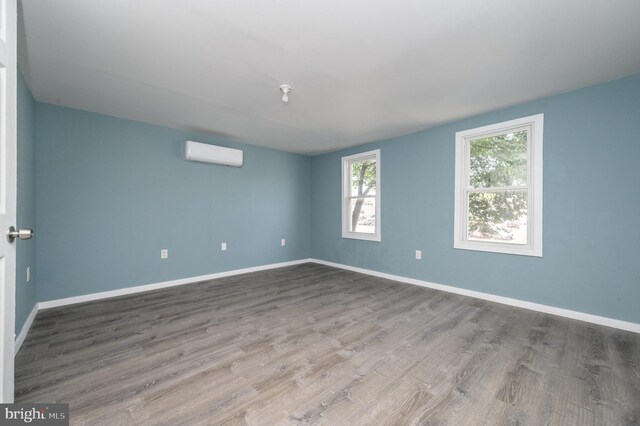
(346, 197)
(535, 125)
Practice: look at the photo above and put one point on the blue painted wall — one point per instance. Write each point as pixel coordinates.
(591, 257)
(26, 207)
(112, 193)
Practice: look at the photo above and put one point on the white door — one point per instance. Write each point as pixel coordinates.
(8, 75)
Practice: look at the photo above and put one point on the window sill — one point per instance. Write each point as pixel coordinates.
(499, 248)
(364, 237)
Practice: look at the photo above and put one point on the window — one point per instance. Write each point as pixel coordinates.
(361, 196)
(498, 200)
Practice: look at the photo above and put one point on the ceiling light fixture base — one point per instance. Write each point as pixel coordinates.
(285, 89)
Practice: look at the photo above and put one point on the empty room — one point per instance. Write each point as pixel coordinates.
(284, 212)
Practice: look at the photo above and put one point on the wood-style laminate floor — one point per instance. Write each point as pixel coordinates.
(311, 344)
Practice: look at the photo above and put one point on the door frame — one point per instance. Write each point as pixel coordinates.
(8, 191)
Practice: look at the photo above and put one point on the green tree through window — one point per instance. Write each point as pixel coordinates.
(363, 178)
(497, 168)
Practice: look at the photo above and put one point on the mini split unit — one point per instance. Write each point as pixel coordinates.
(204, 153)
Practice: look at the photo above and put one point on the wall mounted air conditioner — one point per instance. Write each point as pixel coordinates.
(204, 153)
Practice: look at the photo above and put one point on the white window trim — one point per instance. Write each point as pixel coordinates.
(534, 246)
(346, 195)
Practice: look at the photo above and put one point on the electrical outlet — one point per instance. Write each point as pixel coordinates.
(283, 242)
(28, 273)
(418, 254)
(223, 246)
(164, 253)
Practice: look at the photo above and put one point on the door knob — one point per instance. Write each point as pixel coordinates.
(21, 234)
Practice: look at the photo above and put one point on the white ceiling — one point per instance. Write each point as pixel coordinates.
(361, 70)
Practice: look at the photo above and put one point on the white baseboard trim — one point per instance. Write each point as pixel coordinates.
(148, 287)
(25, 329)
(581, 316)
